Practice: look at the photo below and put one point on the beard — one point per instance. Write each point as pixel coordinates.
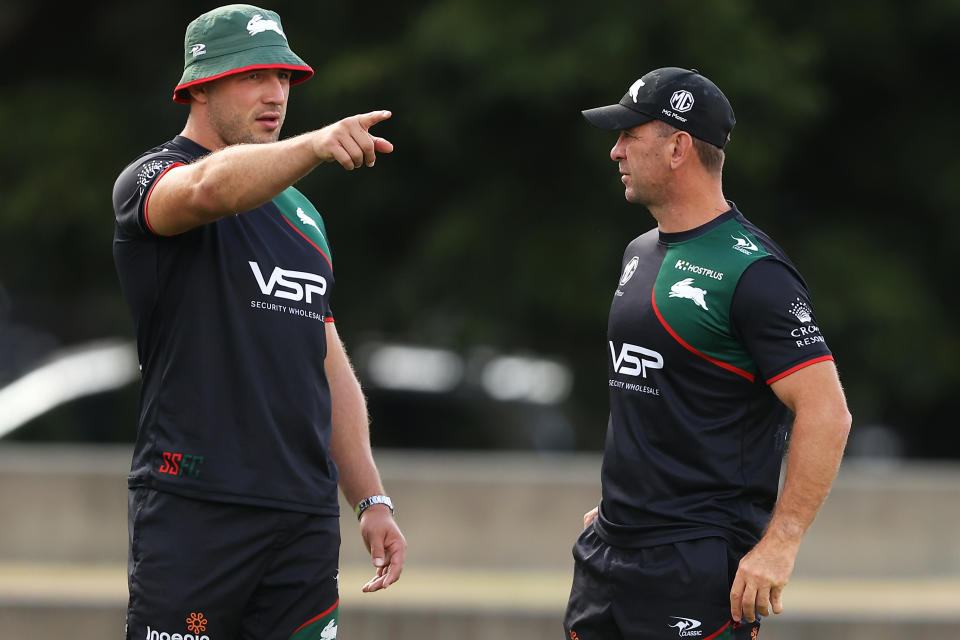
(235, 128)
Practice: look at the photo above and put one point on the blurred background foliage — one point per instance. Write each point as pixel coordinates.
(499, 221)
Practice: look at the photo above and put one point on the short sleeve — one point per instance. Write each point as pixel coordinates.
(132, 190)
(773, 317)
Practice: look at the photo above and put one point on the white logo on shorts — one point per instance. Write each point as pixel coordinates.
(329, 632)
(686, 626)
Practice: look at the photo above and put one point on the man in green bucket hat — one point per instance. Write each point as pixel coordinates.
(250, 413)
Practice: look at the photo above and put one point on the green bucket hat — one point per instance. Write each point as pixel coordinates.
(233, 39)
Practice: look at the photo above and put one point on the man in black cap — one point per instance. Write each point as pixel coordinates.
(711, 344)
(250, 413)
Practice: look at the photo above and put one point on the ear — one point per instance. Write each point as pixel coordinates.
(198, 93)
(681, 149)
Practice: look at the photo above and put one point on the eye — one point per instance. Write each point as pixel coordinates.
(284, 75)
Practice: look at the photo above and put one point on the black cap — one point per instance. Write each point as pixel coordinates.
(680, 97)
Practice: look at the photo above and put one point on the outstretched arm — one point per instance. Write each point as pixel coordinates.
(359, 478)
(244, 176)
(820, 429)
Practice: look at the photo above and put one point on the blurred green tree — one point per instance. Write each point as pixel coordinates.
(499, 219)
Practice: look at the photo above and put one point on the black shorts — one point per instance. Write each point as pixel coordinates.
(679, 590)
(203, 570)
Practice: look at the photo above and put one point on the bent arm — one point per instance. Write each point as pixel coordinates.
(242, 177)
(820, 429)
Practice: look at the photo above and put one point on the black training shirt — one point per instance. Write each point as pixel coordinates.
(701, 324)
(230, 322)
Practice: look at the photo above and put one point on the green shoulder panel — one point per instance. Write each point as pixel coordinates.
(303, 217)
(694, 291)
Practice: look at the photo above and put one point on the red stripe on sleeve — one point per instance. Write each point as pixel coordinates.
(798, 367)
(146, 202)
(309, 240)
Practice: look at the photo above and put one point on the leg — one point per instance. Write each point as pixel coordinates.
(675, 590)
(589, 611)
(298, 596)
(193, 564)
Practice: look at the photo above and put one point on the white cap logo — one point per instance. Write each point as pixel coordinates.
(635, 89)
(258, 25)
(681, 101)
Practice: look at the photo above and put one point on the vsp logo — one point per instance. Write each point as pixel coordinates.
(292, 285)
(633, 360)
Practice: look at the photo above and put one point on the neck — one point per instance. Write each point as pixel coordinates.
(689, 207)
(202, 135)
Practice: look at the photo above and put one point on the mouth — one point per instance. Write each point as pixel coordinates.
(270, 119)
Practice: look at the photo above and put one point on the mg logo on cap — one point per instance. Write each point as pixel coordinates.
(681, 100)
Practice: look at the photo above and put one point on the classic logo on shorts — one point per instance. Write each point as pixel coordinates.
(629, 270)
(685, 289)
(196, 624)
(686, 626)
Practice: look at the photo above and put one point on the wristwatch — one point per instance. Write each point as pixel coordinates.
(366, 503)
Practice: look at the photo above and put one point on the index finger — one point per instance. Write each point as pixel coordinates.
(367, 120)
(736, 598)
(395, 567)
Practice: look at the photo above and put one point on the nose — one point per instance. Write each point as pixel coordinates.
(618, 153)
(275, 89)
